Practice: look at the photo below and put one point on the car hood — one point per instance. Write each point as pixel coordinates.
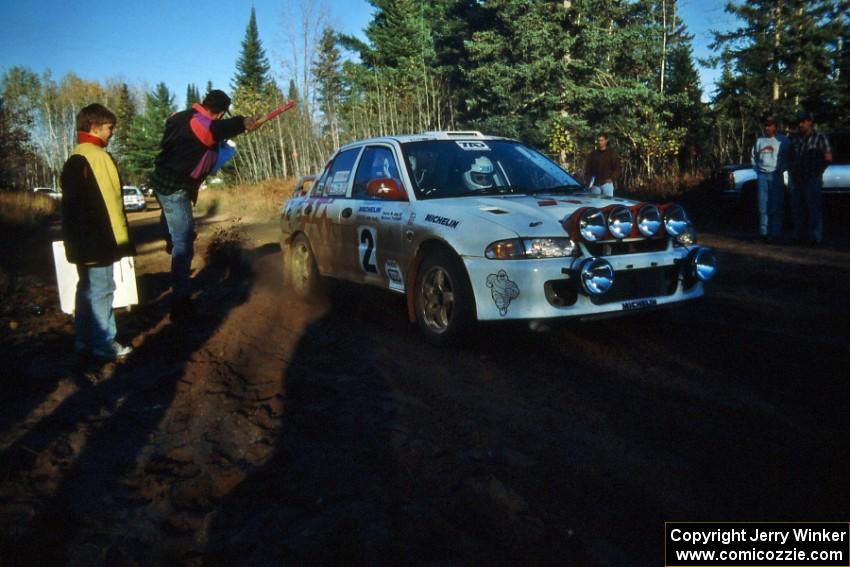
(526, 215)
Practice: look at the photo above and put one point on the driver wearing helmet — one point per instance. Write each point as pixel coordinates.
(480, 175)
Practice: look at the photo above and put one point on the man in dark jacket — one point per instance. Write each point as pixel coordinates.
(810, 155)
(602, 167)
(94, 228)
(190, 146)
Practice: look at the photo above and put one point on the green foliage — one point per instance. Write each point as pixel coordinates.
(252, 68)
(146, 133)
(192, 95)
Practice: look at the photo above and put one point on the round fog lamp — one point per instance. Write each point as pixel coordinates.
(591, 225)
(703, 264)
(597, 276)
(620, 222)
(649, 220)
(675, 220)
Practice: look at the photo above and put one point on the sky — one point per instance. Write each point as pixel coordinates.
(182, 43)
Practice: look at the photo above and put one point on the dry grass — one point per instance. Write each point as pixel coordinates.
(25, 210)
(252, 202)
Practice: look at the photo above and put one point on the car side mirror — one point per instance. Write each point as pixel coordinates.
(385, 189)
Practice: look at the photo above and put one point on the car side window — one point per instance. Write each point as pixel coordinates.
(339, 174)
(319, 186)
(377, 162)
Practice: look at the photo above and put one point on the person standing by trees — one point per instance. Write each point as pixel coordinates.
(189, 151)
(810, 155)
(602, 167)
(768, 158)
(94, 227)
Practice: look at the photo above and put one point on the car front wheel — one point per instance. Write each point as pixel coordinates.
(302, 273)
(443, 299)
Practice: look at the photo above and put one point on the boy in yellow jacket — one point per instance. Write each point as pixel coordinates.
(94, 227)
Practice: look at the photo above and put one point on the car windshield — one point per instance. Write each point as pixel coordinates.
(466, 168)
(130, 192)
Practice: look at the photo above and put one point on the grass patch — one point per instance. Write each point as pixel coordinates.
(24, 210)
(251, 201)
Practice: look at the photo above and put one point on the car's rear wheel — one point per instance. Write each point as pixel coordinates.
(443, 299)
(302, 274)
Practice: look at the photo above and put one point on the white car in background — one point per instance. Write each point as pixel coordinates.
(472, 227)
(741, 183)
(134, 199)
(47, 192)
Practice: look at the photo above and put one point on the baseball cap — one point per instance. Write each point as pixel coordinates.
(804, 115)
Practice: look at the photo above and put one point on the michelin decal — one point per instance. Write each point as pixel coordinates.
(503, 290)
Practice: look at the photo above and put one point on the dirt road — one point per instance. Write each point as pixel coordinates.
(274, 432)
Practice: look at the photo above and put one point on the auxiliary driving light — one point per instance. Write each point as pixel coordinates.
(703, 264)
(675, 220)
(649, 220)
(597, 276)
(620, 222)
(591, 225)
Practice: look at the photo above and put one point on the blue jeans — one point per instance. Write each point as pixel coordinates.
(177, 210)
(807, 208)
(94, 320)
(606, 190)
(771, 193)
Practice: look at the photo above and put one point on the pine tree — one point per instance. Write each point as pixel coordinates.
(125, 112)
(146, 132)
(327, 71)
(192, 95)
(252, 68)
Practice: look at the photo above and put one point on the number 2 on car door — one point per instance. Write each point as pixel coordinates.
(368, 240)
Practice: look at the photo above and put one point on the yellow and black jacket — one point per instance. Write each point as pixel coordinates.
(94, 224)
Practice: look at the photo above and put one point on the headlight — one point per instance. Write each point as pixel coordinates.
(703, 264)
(620, 222)
(591, 225)
(530, 248)
(649, 220)
(675, 220)
(597, 276)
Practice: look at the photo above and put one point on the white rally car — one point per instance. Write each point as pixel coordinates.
(473, 227)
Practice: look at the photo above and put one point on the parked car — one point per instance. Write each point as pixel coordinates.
(134, 199)
(739, 182)
(47, 192)
(473, 227)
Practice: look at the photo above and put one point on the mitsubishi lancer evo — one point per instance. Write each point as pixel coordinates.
(472, 228)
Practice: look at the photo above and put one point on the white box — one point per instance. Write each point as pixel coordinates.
(123, 271)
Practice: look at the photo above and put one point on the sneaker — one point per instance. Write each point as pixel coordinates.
(115, 351)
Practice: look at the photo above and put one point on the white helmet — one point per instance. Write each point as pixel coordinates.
(480, 174)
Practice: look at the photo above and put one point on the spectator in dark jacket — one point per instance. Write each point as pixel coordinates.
(190, 147)
(94, 228)
(810, 155)
(602, 167)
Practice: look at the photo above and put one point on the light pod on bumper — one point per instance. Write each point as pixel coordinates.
(591, 225)
(620, 222)
(703, 263)
(675, 220)
(649, 220)
(596, 275)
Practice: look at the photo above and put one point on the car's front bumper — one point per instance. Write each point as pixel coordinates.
(550, 288)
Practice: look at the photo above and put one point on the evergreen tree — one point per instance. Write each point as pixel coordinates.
(146, 132)
(252, 68)
(192, 95)
(125, 112)
(327, 71)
